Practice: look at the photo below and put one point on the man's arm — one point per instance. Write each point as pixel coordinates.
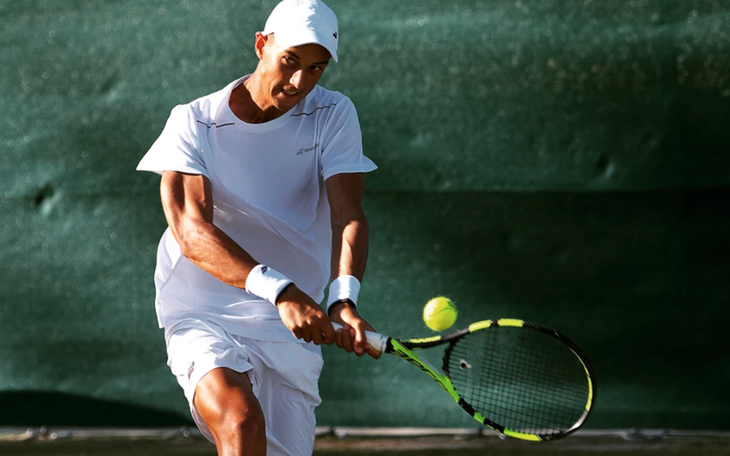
(350, 232)
(188, 205)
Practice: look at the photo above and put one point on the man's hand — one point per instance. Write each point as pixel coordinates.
(352, 335)
(304, 318)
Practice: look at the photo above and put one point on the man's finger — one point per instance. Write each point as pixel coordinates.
(372, 352)
(316, 336)
(297, 333)
(361, 342)
(328, 333)
(306, 335)
(347, 339)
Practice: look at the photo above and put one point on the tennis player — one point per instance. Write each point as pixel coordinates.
(262, 187)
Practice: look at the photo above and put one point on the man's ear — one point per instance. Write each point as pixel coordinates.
(261, 41)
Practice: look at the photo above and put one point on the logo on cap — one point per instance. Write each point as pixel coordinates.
(335, 35)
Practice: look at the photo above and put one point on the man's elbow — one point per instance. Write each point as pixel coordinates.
(191, 237)
(357, 221)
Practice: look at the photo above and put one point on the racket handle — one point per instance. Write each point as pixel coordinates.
(377, 341)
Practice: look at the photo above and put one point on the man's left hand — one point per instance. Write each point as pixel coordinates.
(352, 335)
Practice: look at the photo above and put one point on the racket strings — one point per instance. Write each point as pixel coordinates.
(525, 380)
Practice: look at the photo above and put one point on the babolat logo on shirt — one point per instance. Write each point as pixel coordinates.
(264, 269)
(304, 150)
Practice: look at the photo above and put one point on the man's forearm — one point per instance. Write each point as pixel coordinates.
(350, 248)
(215, 252)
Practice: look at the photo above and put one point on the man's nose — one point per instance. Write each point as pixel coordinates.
(297, 79)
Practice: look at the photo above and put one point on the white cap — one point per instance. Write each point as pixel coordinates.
(298, 22)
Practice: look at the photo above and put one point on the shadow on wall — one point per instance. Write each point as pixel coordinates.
(37, 408)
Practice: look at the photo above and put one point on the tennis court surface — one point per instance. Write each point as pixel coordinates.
(362, 442)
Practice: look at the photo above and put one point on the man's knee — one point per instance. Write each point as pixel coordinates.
(226, 403)
(243, 427)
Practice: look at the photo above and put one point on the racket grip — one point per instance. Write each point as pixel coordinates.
(377, 341)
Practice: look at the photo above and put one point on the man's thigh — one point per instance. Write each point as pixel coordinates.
(225, 402)
(282, 376)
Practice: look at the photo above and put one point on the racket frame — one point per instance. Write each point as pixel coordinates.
(404, 349)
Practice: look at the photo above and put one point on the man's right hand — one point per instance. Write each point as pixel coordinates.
(304, 318)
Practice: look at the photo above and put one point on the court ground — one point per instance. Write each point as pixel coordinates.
(364, 442)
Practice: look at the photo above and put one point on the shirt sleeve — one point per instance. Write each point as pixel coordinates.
(342, 149)
(178, 146)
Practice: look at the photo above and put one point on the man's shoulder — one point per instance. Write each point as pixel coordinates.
(207, 106)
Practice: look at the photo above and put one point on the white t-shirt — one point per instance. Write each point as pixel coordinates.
(268, 194)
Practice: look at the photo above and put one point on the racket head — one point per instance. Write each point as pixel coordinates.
(521, 379)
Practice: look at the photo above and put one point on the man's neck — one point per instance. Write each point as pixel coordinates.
(246, 102)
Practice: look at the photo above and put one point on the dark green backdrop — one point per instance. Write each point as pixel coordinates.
(562, 161)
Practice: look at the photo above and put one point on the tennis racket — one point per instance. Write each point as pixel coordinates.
(518, 378)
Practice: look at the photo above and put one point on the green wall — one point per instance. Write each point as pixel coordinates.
(562, 161)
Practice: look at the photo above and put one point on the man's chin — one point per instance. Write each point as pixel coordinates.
(286, 104)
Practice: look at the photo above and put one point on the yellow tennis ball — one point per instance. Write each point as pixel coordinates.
(439, 313)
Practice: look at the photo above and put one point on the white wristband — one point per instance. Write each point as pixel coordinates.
(266, 283)
(343, 287)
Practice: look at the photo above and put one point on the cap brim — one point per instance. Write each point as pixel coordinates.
(287, 39)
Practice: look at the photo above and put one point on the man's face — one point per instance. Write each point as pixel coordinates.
(288, 74)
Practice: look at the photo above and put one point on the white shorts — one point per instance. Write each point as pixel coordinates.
(284, 376)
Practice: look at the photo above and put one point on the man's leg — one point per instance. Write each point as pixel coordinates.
(225, 401)
(289, 395)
